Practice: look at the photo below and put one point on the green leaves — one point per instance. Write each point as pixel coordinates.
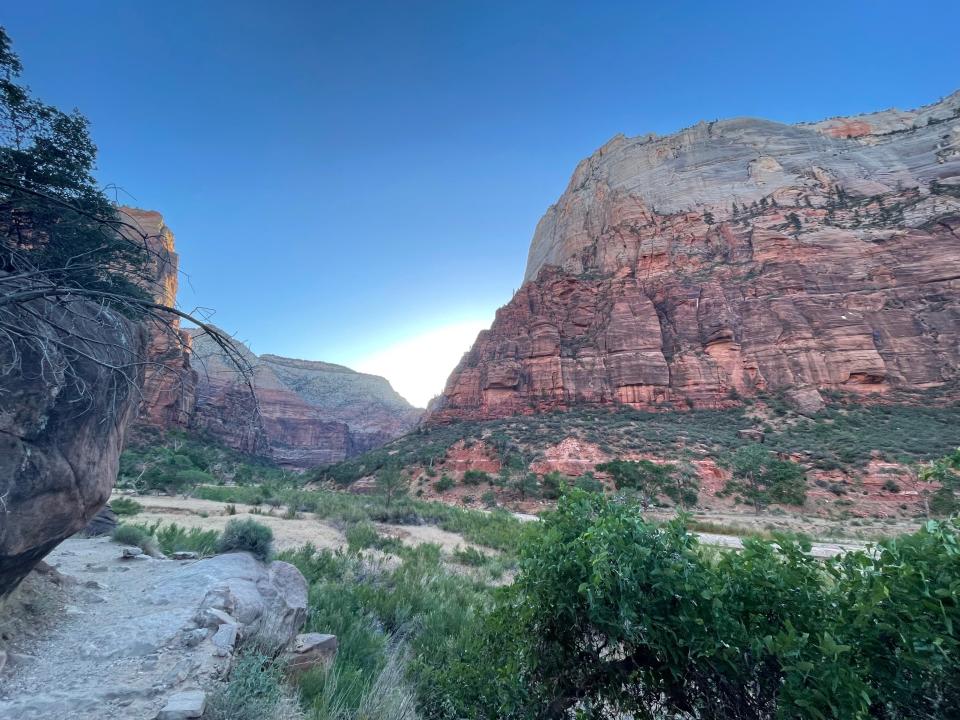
(613, 616)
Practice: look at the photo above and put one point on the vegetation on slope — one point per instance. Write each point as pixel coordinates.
(841, 437)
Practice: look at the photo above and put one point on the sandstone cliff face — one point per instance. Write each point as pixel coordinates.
(310, 413)
(169, 382)
(731, 258)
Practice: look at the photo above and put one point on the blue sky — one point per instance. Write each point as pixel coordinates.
(349, 181)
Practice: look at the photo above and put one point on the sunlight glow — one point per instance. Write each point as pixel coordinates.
(419, 366)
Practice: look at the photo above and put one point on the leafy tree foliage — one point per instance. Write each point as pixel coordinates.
(647, 479)
(761, 478)
(613, 617)
(945, 472)
(391, 484)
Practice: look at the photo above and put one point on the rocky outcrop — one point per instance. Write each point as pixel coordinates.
(169, 382)
(63, 413)
(306, 414)
(138, 634)
(732, 258)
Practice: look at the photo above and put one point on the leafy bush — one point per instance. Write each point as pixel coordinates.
(553, 482)
(125, 507)
(489, 499)
(762, 634)
(254, 691)
(760, 478)
(174, 538)
(246, 535)
(475, 477)
(588, 483)
(470, 556)
(443, 484)
(135, 535)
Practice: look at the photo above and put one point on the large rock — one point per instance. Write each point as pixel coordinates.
(63, 414)
(732, 258)
(266, 602)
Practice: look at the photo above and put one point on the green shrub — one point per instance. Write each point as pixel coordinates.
(125, 507)
(470, 556)
(890, 485)
(253, 691)
(489, 499)
(443, 484)
(552, 483)
(588, 483)
(475, 477)
(246, 535)
(174, 538)
(135, 535)
(763, 634)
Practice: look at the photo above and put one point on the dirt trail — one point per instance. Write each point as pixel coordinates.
(112, 653)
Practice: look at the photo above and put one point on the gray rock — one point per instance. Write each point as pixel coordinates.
(130, 551)
(192, 638)
(310, 650)
(184, 706)
(225, 639)
(184, 555)
(806, 401)
(268, 601)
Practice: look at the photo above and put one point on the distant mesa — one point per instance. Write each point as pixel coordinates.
(734, 258)
(310, 413)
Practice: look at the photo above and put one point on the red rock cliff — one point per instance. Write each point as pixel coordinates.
(169, 382)
(731, 258)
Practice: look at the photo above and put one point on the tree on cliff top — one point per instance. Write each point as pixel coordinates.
(62, 242)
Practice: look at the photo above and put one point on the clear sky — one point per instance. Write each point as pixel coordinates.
(358, 182)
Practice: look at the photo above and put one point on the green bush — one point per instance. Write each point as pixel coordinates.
(762, 634)
(253, 691)
(246, 535)
(470, 556)
(588, 483)
(475, 477)
(443, 484)
(135, 535)
(125, 507)
(174, 538)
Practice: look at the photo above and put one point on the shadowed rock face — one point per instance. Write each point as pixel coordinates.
(311, 413)
(731, 258)
(62, 420)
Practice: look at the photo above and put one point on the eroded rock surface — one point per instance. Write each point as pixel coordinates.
(63, 414)
(731, 258)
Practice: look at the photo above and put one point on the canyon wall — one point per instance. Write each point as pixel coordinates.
(304, 414)
(732, 258)
(307, 413)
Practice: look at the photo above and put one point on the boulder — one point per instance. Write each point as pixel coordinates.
(308, 651)
(184, 706)
(63, 416)
(806, 401)
(266, 601)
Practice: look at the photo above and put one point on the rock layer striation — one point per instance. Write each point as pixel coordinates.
(732, 258)
(305, 413)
